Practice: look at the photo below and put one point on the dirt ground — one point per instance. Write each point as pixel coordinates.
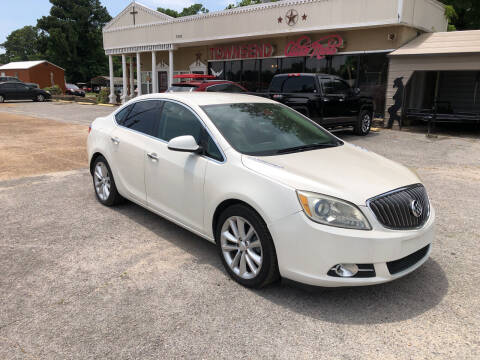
(31, 146)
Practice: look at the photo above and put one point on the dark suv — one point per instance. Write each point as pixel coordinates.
(19, 91)
(326, 99)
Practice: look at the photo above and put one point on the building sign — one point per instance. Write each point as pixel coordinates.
(245, 51)
(303, 46)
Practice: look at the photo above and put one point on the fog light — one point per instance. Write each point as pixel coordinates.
(345, 270)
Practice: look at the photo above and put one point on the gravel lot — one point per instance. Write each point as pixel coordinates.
(81, 281)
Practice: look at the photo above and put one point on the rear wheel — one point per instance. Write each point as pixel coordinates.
(246, 247)
(104, 184)
(2, 99)
(364, 123)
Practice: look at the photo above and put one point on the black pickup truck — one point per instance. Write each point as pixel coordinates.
(326, 99)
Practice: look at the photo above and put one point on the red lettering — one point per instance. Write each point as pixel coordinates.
(303, 46)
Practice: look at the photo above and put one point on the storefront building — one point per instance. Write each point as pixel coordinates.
(350, 38)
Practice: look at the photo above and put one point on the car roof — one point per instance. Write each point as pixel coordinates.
(203, 82)
(207, 98)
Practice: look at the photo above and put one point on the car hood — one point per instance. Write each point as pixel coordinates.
(347, 172)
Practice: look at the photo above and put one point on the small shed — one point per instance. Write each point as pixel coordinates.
(40, 72)
(436, 73)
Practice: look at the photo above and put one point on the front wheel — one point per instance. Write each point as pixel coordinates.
(40, 98)
(2, 99)
(364, 123)
(246, 247)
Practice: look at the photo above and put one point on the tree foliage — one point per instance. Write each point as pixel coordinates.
(191, 10)
(462, 14)
(22, 45)
(246, 3)
(73, 37)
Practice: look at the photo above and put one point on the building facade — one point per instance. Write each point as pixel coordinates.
(41, 72)
(250, 44)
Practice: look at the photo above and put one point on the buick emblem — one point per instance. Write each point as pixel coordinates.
(416, 208)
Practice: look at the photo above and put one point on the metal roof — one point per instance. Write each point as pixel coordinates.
(24, 65)
(454, 42)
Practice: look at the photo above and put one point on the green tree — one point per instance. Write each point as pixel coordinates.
(73, 37)
(246, 3)
(22, 45)
(462, 14)
(191, 10)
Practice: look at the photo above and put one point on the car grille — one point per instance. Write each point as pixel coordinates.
(394, 267)
(402, 209)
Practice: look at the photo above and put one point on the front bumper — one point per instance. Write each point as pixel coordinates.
(306, 251)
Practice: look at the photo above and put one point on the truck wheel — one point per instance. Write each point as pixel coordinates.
(364, 123)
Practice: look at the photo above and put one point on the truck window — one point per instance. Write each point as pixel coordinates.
(276, 84)
(299, 84)
(335, 87)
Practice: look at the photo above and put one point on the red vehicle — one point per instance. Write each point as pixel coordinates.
(200, 82)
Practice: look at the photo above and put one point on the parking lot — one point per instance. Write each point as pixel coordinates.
(81, 281)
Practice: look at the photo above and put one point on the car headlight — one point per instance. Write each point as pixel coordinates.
(331, 211)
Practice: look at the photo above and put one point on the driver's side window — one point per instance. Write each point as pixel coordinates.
(335, 87)
(178, 120)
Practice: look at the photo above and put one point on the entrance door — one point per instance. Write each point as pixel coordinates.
(162, 81)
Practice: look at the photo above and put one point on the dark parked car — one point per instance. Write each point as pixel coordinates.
(199, 82)
(326, 99)
(74, 90)
(19, 91)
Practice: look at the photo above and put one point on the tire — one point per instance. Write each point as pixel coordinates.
(364, 123)
(252, 262)
(2, 99)
(40, 98)
(104, 184)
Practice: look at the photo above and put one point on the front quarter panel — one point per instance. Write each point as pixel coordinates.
(233, 181)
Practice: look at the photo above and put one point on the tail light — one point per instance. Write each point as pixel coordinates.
(89, 128)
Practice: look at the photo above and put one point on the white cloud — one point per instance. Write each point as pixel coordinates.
(167, 4)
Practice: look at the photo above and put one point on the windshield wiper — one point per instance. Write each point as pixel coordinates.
(306, 148)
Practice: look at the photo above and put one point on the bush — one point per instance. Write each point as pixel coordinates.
(102, 96)
(54, 90)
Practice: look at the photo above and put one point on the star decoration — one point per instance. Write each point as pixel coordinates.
(304, 17)
(292, 17)
(280, 19)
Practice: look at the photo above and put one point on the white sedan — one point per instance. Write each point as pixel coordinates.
(278, 194)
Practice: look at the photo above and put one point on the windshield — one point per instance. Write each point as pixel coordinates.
(180, 88)
(263, 129)
(74, 87)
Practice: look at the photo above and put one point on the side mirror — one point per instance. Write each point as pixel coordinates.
(184, 143)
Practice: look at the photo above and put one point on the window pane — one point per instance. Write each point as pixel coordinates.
(265, 128)
(143, 116)
(345, 66)
(373, 79)
(293, 64)
(335, 87)
(299, 84)
(216, 69)
(233, 70)
(232, 88)
(177, 120)
(211, 149)
(268, 69)
(122, 114)
(277, 84)
(250, 74)
(314, 65)
(217, 88)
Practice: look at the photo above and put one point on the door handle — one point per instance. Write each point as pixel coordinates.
(115, 140)
(153, 156)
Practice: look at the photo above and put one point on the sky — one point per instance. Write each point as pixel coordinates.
(14, 14)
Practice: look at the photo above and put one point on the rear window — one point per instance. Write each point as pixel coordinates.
(181, 88)
(277, 83)
(299, 84)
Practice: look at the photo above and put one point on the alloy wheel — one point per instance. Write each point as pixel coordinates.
(40, 98)
(2, 99)
(241, 247)
(366, 122)
(102, 181)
